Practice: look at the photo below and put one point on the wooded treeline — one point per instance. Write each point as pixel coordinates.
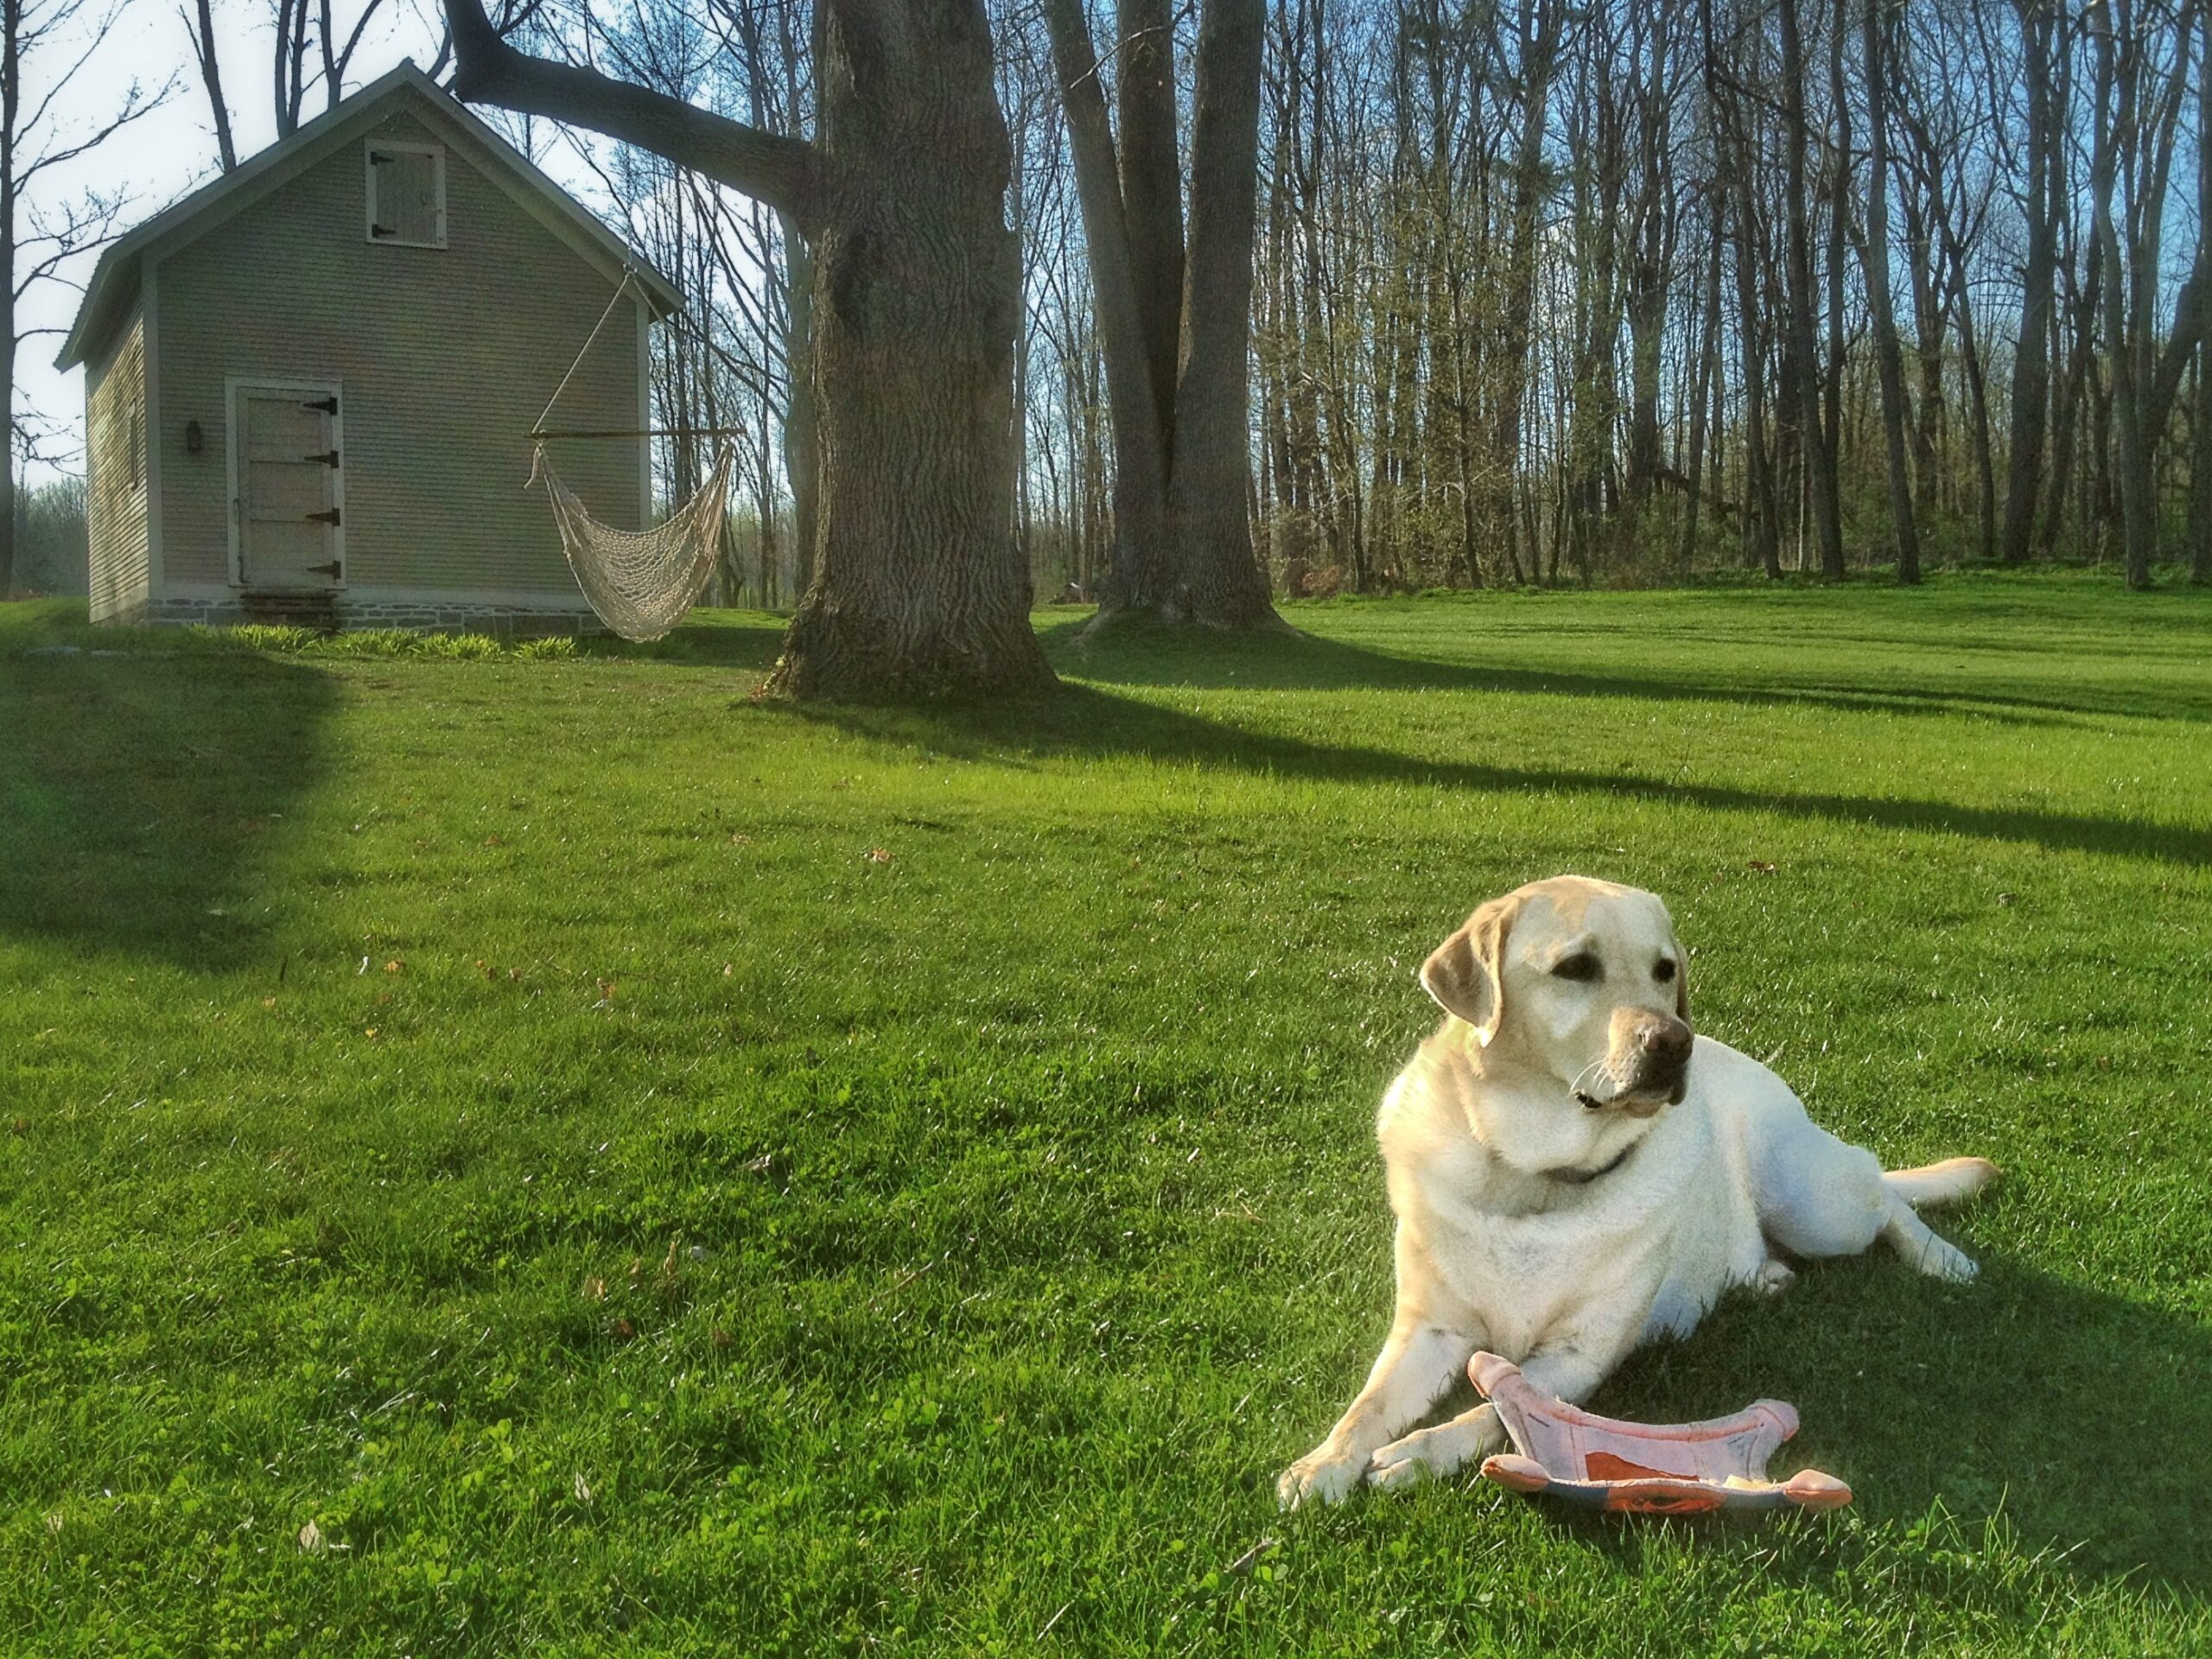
(1547, 292)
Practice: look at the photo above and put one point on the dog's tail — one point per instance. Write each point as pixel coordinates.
(1944, 1183)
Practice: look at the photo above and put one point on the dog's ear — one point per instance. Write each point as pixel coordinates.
(1466, 974)
(1681, 983)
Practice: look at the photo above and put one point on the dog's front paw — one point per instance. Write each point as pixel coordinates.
(1439, 1450)
(1322, 1475)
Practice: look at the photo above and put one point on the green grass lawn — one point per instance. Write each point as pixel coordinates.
(506, 1152)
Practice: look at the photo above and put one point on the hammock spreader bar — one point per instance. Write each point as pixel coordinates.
(640, 582)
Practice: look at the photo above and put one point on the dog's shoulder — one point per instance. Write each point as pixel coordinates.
(1427, 1103)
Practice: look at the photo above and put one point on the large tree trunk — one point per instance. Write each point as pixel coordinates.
(1889, 357)
(1218, 580)
(1140, 576)
(918, 588)
(1152, 194)
(1182, 472)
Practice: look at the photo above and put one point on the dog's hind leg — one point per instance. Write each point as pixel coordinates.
(1918, 1243)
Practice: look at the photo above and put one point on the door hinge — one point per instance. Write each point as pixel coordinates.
(328, 458)
(330, 569)
(327, 405)
(329, 517)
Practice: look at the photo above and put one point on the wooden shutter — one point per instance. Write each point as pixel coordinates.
(407, 194)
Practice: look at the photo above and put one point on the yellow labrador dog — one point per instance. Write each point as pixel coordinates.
(1574, 1171)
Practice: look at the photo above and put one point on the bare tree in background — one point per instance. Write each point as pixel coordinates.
(2143, 69)
(1522, 302)
(1176, 362)
(45, 48)
(1881, 304)
(199, 28)
(310, 45)
(2039, 280)
(2200, 477)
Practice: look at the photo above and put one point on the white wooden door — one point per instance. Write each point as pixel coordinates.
(287, 486)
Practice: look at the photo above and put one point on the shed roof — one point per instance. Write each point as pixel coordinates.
(116, 279)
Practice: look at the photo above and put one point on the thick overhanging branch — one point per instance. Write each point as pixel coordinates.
(766, 166)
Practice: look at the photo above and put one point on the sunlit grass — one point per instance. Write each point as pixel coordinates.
(500, 1149)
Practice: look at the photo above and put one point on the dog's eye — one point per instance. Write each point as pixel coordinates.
(1579, 966)
(1663, 970)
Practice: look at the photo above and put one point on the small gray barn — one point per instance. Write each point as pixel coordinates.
(309, 385)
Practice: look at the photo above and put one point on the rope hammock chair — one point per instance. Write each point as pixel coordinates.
(641, 582)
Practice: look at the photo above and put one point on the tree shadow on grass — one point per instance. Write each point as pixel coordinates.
(139, 789)
(1079, 722)
(742, 640)
(2079, 1417)
(1139, 656)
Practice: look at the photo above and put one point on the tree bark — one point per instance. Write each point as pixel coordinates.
(802, 439)
(1701, 384)
(917, 589)
(2031, 356)
(1839, 187)
(1819, 461)
(1140, 578)
(1219, 582)
(1888, 355)
(2200, 470)
(1541, 22)
(1152, 194)
(2138, 529)
(1183, 534)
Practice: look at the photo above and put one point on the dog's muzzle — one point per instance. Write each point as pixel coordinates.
(1648, 1054)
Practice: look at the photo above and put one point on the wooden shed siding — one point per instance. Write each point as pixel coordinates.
(445, 357)
(114, 505)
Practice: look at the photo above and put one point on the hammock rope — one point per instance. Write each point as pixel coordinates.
(641, 582)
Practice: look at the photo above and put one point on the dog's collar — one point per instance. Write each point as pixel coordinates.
(1568, 1175)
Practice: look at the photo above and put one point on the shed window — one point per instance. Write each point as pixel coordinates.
(407, 194)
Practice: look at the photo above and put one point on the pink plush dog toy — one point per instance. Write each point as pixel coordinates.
(1643, 1468)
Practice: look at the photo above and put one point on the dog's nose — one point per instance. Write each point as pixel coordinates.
(1665, 1040)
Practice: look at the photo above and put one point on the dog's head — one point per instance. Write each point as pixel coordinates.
(1578, 979)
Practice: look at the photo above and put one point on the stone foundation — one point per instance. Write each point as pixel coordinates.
(500, 622)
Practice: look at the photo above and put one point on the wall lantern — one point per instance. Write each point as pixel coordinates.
(195, 440)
